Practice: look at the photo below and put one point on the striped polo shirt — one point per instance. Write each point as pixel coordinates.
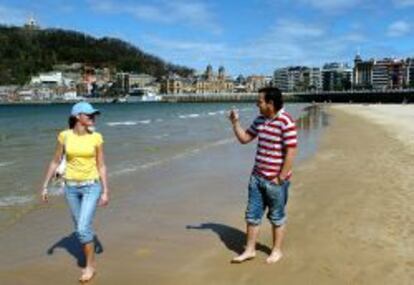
(274, 137)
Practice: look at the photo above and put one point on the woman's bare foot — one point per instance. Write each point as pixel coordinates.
(244, 257)
(274, 257)
(87, 274)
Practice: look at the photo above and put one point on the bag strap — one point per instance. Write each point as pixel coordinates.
(65, 140)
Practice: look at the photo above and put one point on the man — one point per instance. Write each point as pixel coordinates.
(269, 181)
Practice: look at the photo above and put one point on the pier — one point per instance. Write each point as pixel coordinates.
(209, 97)
(356, 96)
(350, 96)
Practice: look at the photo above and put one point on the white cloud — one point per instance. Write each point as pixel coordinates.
(404, 3)
(399, 29)
(295, 29)
(331, 5)
(186, 45)
(12, 16)
(195, 13)
(196, 54)
(287, 43)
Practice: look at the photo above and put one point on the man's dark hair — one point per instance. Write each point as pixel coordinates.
(273, 94)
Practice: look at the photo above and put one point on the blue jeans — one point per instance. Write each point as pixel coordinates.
(82, 202)
(266, 194)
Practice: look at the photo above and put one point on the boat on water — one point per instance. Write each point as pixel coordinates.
(119, 100)
(142, 95)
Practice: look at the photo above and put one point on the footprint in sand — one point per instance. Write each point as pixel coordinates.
(328, 270)
(143, 252)
(410, 263)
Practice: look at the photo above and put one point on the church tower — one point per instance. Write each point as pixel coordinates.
(31, 23)
(209, 72)
(221, 73)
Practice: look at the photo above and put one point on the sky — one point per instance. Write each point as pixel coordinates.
(245, 36)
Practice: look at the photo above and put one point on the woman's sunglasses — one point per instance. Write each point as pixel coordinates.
(90, 116)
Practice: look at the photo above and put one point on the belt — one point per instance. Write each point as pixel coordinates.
(74, 183)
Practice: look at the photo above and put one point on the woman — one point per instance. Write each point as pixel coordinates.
(85, 177)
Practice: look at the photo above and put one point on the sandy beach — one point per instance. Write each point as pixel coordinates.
(350, 217)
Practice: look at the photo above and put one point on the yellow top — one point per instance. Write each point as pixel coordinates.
(80, 155)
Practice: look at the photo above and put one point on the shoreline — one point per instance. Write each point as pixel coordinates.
(390, 96)
(13, 206)
(342, 228)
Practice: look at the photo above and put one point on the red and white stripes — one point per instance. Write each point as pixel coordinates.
(275, 136)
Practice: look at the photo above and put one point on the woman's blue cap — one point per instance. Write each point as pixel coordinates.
(83, 108)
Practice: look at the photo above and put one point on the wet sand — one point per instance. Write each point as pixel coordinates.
(350, 219)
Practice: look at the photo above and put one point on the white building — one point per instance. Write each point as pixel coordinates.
(26, 95)
(52, 79)
(140, 80)
(410, 72)
(7, 91)
(280, 79)
(297, 78)
(70, 95)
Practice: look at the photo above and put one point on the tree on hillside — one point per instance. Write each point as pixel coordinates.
(25, 52)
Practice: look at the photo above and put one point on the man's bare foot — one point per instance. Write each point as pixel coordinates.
(274, 257)
(244, 257)
(87, 274)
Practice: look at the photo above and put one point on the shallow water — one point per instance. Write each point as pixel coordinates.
(137, 137)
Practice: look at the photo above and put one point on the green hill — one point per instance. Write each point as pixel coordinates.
(25, 52)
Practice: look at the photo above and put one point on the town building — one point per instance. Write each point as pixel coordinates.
(49, 85)
(382, 74)
(209, 82)
(336, 77)
(409, 73)
(206, 83)
(388, 74)
(128, 81)
(175, 84)
(256, 82)
(7, 92)
(281, 79)
(362, 78)
(140, 80)
(122, 82)
(297, 78)
(52, 79)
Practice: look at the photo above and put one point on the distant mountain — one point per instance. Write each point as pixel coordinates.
(25, 52)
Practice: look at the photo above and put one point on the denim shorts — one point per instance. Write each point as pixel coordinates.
(266, 194)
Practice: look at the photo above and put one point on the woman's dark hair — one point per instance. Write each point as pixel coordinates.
(273, 94)
(72, 122)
